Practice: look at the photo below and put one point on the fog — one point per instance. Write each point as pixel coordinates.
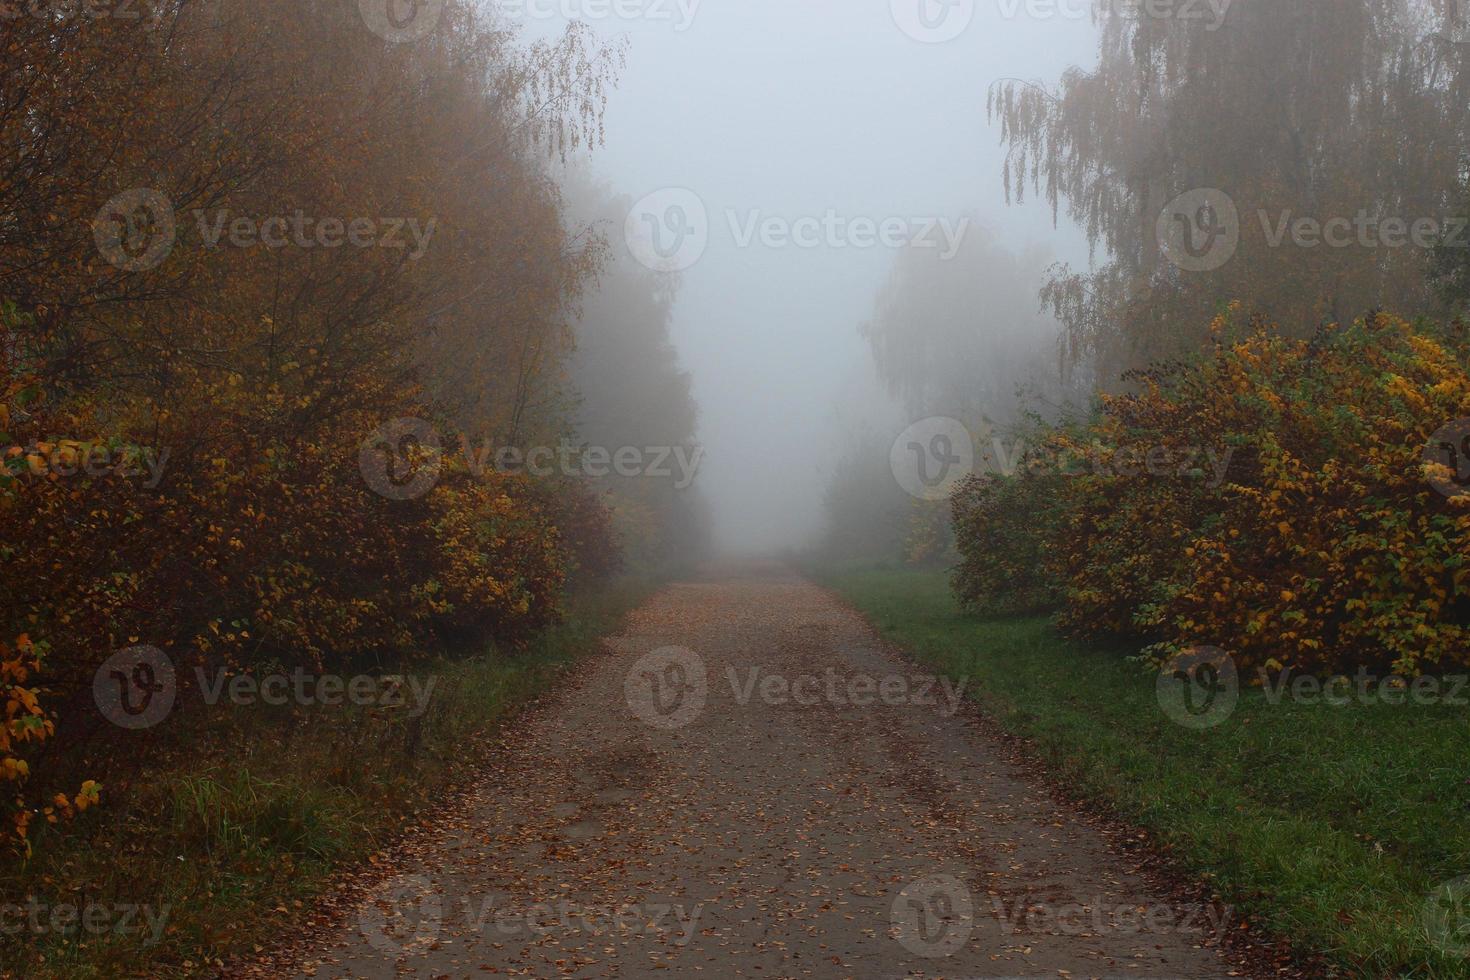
(472, 463)
(773, 109)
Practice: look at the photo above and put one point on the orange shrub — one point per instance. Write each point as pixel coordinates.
(245, 532)
(1318, 542)
(1332, 548)
(258, 548)
(498, 559)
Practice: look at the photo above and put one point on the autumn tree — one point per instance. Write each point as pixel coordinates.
(961, 335)
(246, 235)
(1290, 109)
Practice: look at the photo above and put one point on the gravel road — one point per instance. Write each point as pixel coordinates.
(747, 784)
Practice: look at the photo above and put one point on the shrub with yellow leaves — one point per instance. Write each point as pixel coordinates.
(1326, 546)
(248, 536)
(184, 411)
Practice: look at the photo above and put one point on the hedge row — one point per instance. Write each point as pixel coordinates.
(1299, 504)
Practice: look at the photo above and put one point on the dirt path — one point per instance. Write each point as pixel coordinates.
(799, 822)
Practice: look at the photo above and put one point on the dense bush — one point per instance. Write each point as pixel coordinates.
(999, 527)
(1323, 545)
(183, 408)
(584, 520)
(253, 550)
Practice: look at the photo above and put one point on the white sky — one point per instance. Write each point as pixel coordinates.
(793, 109)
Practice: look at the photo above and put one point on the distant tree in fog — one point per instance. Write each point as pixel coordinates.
(1292, 109)
(958, 336)
(628, 386)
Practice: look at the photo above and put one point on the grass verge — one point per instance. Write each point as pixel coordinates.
(1332, 826)
(225, 833)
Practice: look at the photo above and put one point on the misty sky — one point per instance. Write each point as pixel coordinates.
(792, 108)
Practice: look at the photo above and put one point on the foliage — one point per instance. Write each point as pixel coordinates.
(24, 466)
(1325, 546)
(930, 537)
(999, 526)
(953, 336)
(183, 408)
(868, 514)
(584, 520)
(1291, 108)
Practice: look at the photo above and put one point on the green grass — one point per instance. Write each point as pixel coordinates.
(1328, 826)
(233, 825)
